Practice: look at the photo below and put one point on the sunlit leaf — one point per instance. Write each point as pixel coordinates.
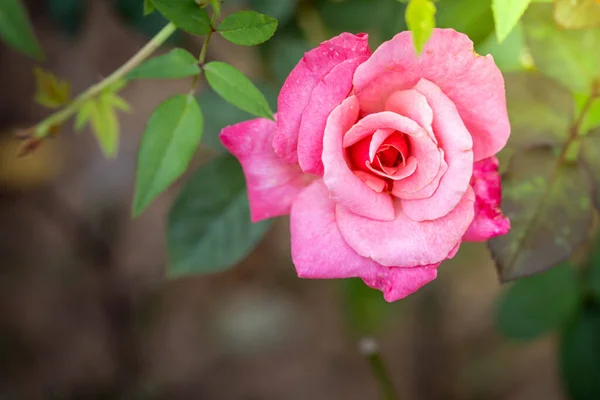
(170, 140)
(105, 124)
(506, 15)
(580, 355)
(51, 92)
(16, 30)
(238, 90)
(209, 225)
(247, 28)
(568, 56)
(548, 203)
(178, 63)
(420, 19)
(577, 14)
(538, 304)
(186, 14)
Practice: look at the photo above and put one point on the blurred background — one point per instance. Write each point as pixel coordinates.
(86, 311)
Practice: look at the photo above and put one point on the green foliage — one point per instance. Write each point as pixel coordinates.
(16, 30)
(507, 14)
(186, 14)
(591, 119)
(68, 14)
(580, 355)
(540, 110)
(171, 138)
(538, 304)
(238, 90)
(51, 92)
(220, 113)
(365, 308)
(209, 225)
(577, 14)
(510, 55)
(592, 277)
(569, 56)
(247, 28)
(590, 159)
(284, 54)
(148, 7)
(178, 63)
(420, 19)
(547, 201)
(282, 10)
(473, 18)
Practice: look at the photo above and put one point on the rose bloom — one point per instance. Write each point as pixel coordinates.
(385, 161)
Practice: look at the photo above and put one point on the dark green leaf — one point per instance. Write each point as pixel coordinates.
(234, 87)
(540, 110)
(178, 63)
(186, 14)
(170, 140)
(473, 18)
(568, 56)
(16, 30)
(221, 114)
(247, 28)
(550, 212)
(590, 159)
(148, 7)
(420, 19)
(592, 277)
(580, 356)
(209, 225)
(507, 14)
(577, 14)
(538, 304)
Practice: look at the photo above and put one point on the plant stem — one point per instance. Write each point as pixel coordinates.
(204, 50)
(43, 128)
(369, 348)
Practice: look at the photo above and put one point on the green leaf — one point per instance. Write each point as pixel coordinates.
(591, 119)
(148, 7)
(178, 63)
(105, 125)
(247, 28)
(186, 14)
(473, 18)
(51, 92)
(420, 19)
(550, 211)
(234, 87)
(592, 276)
(540, 110)
(569, 56)
(580, 355)
(83, 115)
(511, 55)
(590, 159)
(506, 15)
(16, 30)
(577, 14)
(171, 138)
(220, 113)
(209, 226)
(538, 304)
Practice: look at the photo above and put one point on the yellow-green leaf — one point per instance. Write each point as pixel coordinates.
(105, 125)
(420, 19)
(506, 15)
(51, 92)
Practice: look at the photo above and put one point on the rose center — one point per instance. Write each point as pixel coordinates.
(389, 157)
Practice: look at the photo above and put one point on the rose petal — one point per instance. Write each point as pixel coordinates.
(413, 105)
(344, 187)
(272, 183)
(489, 220)
(473, 83)
(319, 251)
(404, 190)
(327, 95)
(404, 242)
(456, 141)
(422, 147)
(297, 90)
(400, 173)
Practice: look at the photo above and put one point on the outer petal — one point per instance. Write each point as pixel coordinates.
(272, 183)
(298, 88)
(472, 82)
(319, 251)
(344, 186)
(404, 242)
(489, 220)
(454, 138)
(327, 95)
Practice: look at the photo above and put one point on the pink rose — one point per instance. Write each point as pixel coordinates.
(386, 161)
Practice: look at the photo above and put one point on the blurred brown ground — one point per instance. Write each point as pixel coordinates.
(85, 311)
